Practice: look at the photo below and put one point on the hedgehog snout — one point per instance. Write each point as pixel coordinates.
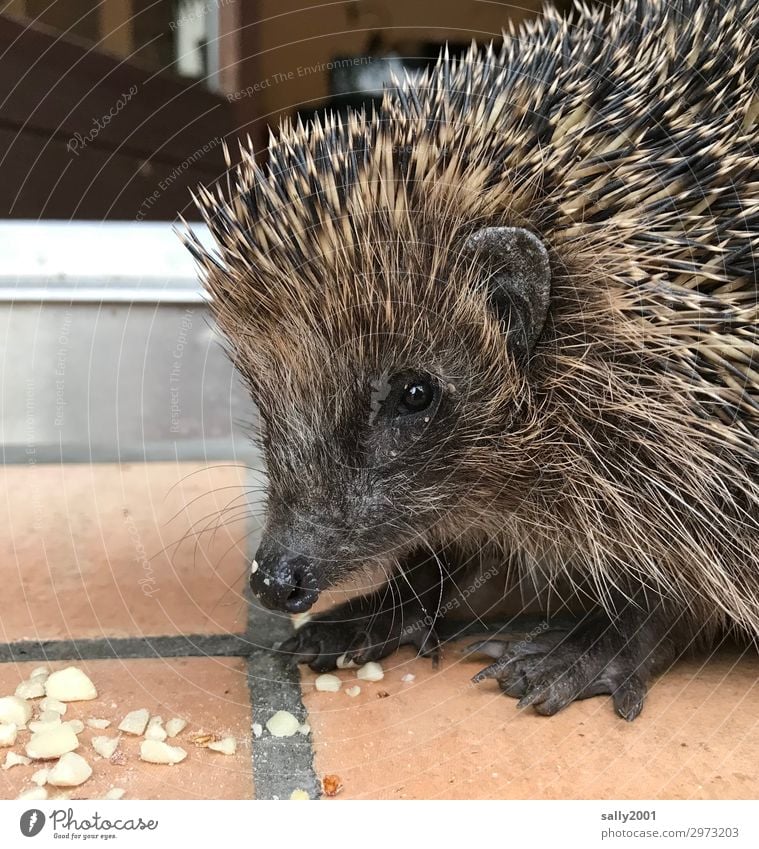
(282, 580)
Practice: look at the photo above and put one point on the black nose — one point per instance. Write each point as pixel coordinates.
(284, 582)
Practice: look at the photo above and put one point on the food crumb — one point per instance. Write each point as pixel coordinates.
(115, 793)
(227, 746)
(70, 685)
(328, 683)
(70, 771)
(40, 777)
(105, 746)
(175, 726)
(12, 759)
(282, 724)
(8, 733)
(203, 739)
(158, 752)
(135, 722)
(332, 785)
(299, 794)
(370, 672)
(39, 793)
(31, 689)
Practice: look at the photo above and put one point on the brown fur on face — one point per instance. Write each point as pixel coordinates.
(627, 448)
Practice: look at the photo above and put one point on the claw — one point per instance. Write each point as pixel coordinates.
(322, 641)
(291, 646)
(490, 648)
(488, 672)
(551, 705)
(495, 669)
(432, 648)
(534, 697)
(629, 697)
(359, 649)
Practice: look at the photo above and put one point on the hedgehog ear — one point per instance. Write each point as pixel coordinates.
(519, 286)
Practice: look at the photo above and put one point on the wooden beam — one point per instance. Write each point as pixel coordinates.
(87, 135)
(15, 8)
(116, 31)
(239, 70)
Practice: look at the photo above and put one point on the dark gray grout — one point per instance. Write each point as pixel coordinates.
(280, 764)
(198, 645)
(264, 630)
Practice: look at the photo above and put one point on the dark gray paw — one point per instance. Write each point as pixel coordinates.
(324, 639)
(551, 669)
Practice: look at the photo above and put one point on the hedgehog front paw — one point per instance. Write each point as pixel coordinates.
(556, 667)
(326, 639)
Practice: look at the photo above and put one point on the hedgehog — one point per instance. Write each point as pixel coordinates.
(509, 316)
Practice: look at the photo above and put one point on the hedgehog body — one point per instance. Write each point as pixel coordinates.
(620, 447)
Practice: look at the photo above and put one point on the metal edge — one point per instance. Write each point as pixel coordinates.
(191, 450)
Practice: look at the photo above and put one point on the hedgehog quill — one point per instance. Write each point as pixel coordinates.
(510, 317)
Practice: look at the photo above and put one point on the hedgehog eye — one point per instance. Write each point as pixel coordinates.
(417, 396)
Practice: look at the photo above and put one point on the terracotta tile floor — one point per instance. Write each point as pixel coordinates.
(440, 737)
(94, 551)
(78, 540)
(211, 693)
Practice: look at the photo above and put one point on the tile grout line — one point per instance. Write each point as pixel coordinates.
(263, 630)
(280, 764)
(126, 648)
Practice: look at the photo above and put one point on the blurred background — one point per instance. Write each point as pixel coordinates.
(201, 70)
(110, 112)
